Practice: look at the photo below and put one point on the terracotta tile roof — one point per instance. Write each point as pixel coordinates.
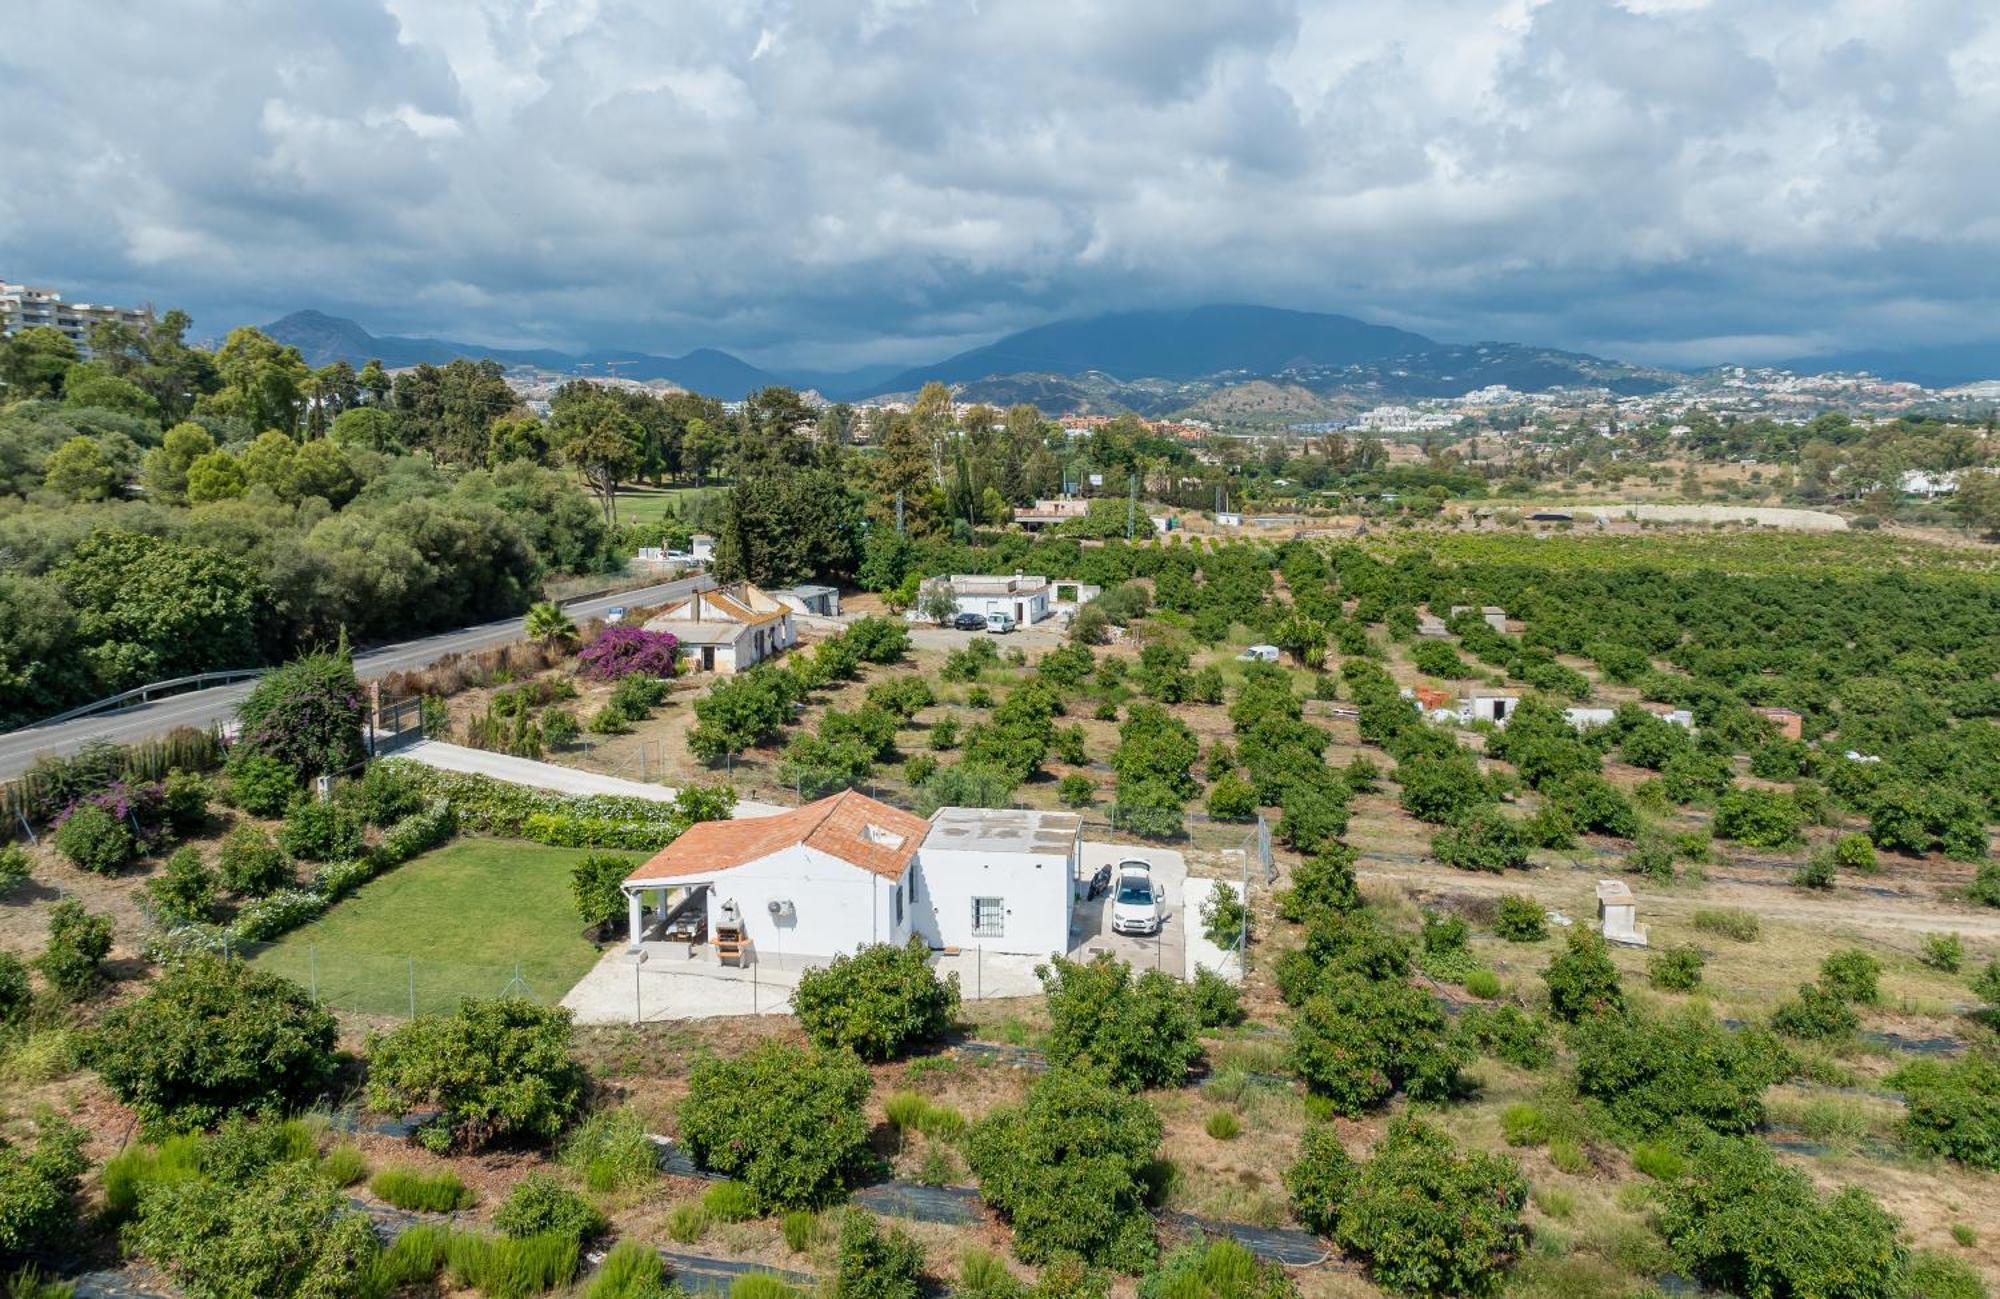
(853, 827)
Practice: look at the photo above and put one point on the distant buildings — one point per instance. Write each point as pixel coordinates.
(24, 306)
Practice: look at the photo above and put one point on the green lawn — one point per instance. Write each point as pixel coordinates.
(457, 922)
(644, 504)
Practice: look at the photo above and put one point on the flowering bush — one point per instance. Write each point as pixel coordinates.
(622, 651)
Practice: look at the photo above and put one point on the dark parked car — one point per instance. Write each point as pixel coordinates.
(970, 622)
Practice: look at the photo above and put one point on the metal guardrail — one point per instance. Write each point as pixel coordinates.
(144, 694)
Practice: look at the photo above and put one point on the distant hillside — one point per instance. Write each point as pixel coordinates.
(1172, 345)
(324, 339)
(1945, 366)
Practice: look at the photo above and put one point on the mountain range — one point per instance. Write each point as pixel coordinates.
(1225, 361)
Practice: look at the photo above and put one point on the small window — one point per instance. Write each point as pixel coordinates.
(989, 917)
(899, 903)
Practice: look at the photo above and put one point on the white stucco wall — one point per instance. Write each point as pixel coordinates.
(1038, 890)
(836, 906)
(1036, 606)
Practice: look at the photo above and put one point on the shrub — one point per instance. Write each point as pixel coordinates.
(1355, 1042)
(1815, 1015)
(307, 716)
(1953, 1108)
(801, 1230)
(787, 1122)
(879, 1003)
(321, 831)
(1940, 1276)
(1216, 1269)
(1323, 882)
(183, 892)
(1985, 886)
(1944, 952)
(344, 1165)
(1582, 980)
(1729, 922)
(15, 994)
(422, 1192)
(687, 1223)
(261, 785)
(1852, 975)
(73, 960)
(1511, 1034)
(506, 1268)
(1521, 919)
(1853, 852)
(1816, 873)
(729, 1202)
(1223, 1125)
(1075, 790)
(1217, 1002)
(214, 1038)
(38, 1187)
(1484, 839)
(1141, 1032)
(14, 867)
(384, 795)
(1067, 1169)
(597, 883)
(876, 1264)
(1648, 1071)
(630, 1271)
(1677, 968)
(499, 1067)
(1741, 1222)
(623, 650)
(1232, 798)
(27, 1282)
(1483, 984)
(1431, 1221)
(1320, 1179)
(610, 1151)
(250, 864)
(1225, 918)
(91, 838)
(287, 1232)
(539, 1205)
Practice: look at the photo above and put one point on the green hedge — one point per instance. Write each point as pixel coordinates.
(517, 811)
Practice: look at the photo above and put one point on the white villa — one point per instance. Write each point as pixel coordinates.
(729, 629)
(847, 871)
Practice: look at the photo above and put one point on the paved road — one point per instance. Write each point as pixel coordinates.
(18, 749)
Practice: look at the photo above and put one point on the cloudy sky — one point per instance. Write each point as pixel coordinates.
(834, 184)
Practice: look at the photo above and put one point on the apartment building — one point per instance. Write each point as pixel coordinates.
(23, 306)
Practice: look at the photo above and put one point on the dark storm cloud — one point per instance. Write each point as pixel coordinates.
(835, 183)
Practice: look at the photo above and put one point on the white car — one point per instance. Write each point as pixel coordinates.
(1138, 904)
(999, 623)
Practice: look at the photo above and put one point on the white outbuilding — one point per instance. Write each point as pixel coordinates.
(999, 879)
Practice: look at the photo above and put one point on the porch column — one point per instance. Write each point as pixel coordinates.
(637, 910)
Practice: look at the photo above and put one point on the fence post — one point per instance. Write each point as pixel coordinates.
(413, 985)
(27, 829)
(978, 972)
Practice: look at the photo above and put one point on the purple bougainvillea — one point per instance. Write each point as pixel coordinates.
(622, 651)
(142, 809)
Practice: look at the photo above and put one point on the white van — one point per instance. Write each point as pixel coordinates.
(999, 623)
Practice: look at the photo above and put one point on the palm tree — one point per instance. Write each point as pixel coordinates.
(547, 623)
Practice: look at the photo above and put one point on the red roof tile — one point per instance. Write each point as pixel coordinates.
(853, 827)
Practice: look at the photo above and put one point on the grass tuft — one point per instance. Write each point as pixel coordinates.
(421, 1192)
(344, 1165)
(1729, 922)
(1223, 1125)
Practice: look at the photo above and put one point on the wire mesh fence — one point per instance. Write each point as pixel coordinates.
(399, 987)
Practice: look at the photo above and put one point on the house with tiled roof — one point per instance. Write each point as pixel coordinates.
(847, 871)
(727, 629)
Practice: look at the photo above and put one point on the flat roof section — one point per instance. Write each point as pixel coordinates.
(1003, 829)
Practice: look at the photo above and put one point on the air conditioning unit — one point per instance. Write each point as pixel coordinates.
(780, 909)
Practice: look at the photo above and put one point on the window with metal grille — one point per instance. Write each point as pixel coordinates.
(989, 917)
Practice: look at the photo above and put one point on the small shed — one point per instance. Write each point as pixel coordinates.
(1493, 706)
(1790, 724)
(998, 879)
(1618, 914)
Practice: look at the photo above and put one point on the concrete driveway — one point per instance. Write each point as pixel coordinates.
(1091, 931)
